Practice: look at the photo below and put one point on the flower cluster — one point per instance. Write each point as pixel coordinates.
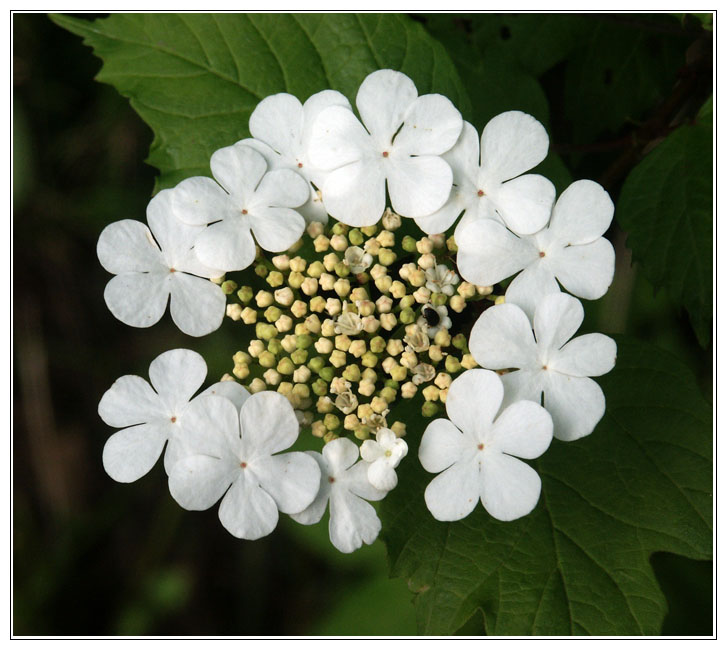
(348, 321)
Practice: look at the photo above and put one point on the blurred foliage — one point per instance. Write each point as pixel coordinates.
(95, 557)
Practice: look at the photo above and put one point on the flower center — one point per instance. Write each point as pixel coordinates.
(244, 211)
(385, 154)
(542, 253)
(480, 446)
(173, 418)
(387, 453)
(480, 193)
(300, 165)
(172, 269)
(243, 464)
(331, 479)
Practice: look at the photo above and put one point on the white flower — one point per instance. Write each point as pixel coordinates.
(249, 200)
(487, 177)
(356, 259)
(235, 457)
(384, 454)
(475, 452)
(281, 128)
(441, 279)
(570, 250)
(399, 148)
(547, 363)
(147, 275)
(344, 484)
(434, 319)
(151, 418)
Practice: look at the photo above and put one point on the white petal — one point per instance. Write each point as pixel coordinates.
(576, 404)
(356, 480)
(198, 482)
(442, 445)
(590, 355)
(337, 139)
(199, 201)
(277, 229)
(312, 109)
(137, 299)
(268, 424)
(512, 143)
(382, 476)
(238, 169)
(174, 236)
(281, 188)
(353, 522)
(209, 426)
(586, 271)
(313, 209)
(226, 245)
(582, 213)
(382, 101)
(231, 390)
(291, 479)
(356, 194)
(453, 494)
(127, 246)
(557, 318)
(464, 157)
(197, 305)
(488, 252)
(528, 288)
(524, 429)
(277, 121)
(314, 512)
(523, 385)
(525, 203)
(177, 375)
(431, 126)
(443, 218)
(418, 185)
(371, 451)
(510, 488)
(130, 400)
(130, 453)
(340, 454)
(247, 511)
(474, 399)
(502, 338)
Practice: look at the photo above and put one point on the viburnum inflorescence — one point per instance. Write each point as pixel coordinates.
(357, 330)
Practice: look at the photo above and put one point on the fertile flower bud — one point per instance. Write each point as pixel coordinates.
(386, 239)
(409, 244)
(370, 324)
(372, 247)
(399, 428)
(272, 314)
(435, 353)
(355, 236)
(398, 373)
(421, 295)
(357, 349)
(234, 311)
(387, 257)
(281, 262)
(342, 342)
(388, 321)
(339, 243)
(324, 404)
(425, 245)
(313, 324)
(442, 338)
(431, 393)
(388, 394)
(409, 360)
(452, 364)
(391, 220)
(443, 380)
(342, 287)
(249, 316)
(366, 388)
(429, 409)
(263, 299)
(298, 309)
(384, 304)
(379, 404)
(330, 261)
(309, 286)
(284, 323)
(351, 373)
(285, 366)
(321, 244)
(457, 303)
(369, 360)
(350, 422)
(314, 229)
(323, 346)
(337, 358)
(318, 429)
(468, 362)
(427, 261)
(255, 348)
(387, 364)
(271, 377)
(245, 294)
(452, 245)
(328, 327)
(274, 278)
(316, 269)
(241, 371)
(299, 357)
(408, 390)
(332, 422)
(339, 385)
(301, 375)
(333, 306)
(499, 300)
(256, 385)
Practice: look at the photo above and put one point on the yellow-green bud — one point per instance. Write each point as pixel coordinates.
(425, 245)
(342, 270)
(219, 280)
(318, 429)
(330, 436)
(431, 393)
(369, 360)
(466, 289)
(364, 411)
(337, 359)
(298, 264)
(318, 304)
(241, 370)
(355, 236)
(263, 299)
(452, 364)
(320, 387)
(357, 349)
(265, 331)
(275, 346)
(229, 287)
(285, 366)
(384, 283)
(339, 242)
(301, 390)
(271, 377)
(245, 294)
(468, 362)
(457, 303)
(369, 374)
(342, 342)
(303, 341)
(330, 261)
(352, 373)
(272, 314)
(442, 338)
(399, 428)
(398, 373)
(316, 364)
(275, 278)
(499, 300)
(342, 287)
(256, 385)
(387, 257)
(377, 344)
(266, 359)
(369, 231)
(451, 244)
(365, 307)
(328, 328)
(249, 316)
(350, 422)
(429, 409)
(316, 269)
(299, 357)
(261, 270)
(296, 280)
(331, 421)
(435, 353)
(241, 357)
(407, 315)
(324, 404)
(386, 239)
(321, 244)
(409, 244)
(388, 394)
(398, 289)
(233, 311)
(417, 278)
(460, 342)
(379, 404)
(339, 229)
(438, 299)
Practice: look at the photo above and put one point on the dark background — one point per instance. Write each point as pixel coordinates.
(93, 557)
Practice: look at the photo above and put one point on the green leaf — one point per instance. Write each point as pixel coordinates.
(666, 208)
(195, 78)
(579, 563)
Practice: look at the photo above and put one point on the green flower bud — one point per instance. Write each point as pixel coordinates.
(275, 346)
(320, 387)
(299, 357)
(331, 421)
(451, 245)
(316, 269)
(352, 373)
(341, 270)
(327, 373)
(355, 237)
(377, 344)
(362, 433)
(272, 314)
(387, 257)
(274, 278)
(266, 359)
(388, 393)
(229, 287)
(285, 366)
(409, 244)
(261, 270)
(407, 316)
(339, 229)
(369, 231)
(460, 342)
(407, 301)
(316, 364)
(265, 331)
(245, 295)
(369, 360)
(429, 409)
(438, 299)
(452, 364)
(391, 383)
(303, 341)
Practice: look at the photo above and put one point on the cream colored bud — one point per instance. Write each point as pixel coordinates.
(365, 307)
(313, 323)
(466, 289)
(323, 346)
(241, 357)
(443, 394)
(342, 342)
(421, 295)
(398, 289)
(272, 377)
(339, 243)
(379, 404)
(324, 404)
(321, 244)
(484, 291)
(398, 373)
(394, 347)
(431, 393)
(289, 343)
(284, 323)
(298, 309)
(314, 228)
(263, 299)
(359, 293)
(468, 362)
(309, 286)
(248, 316)
(425, 245)
(333, 306)
(300, 329)
(427, 261)
(255, 348)
(318, 429)
(443, 338)
(378, 271)
(219, 280)
(298, 264)
(301, 375)
(370, 324)
(281, 262)
(500, 300)
(364, 411)
(284, 296)
(443, 380)
(386, 239)
(342, 287)
(257, 385)
(328, 328)
(387, 364)
(318, 304)
(350, 422)
(357, 349)
(435, 353)
(388, 321)
(234, 311)
(367, 388)
(409, 360)
(391, 220)
(384, 304)
(372, 247)
(406, 270)
(457, 303)
(241, 370)
(417, 278)
(337, 358)
(384, 283)
(438, 240)
(408, 390)
(330, 261)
